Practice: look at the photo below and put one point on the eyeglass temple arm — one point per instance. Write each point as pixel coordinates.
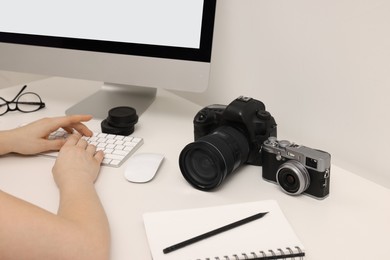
(20, 92)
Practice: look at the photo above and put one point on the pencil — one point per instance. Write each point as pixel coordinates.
(213, 232)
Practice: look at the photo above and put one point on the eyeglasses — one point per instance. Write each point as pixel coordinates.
(24, 102)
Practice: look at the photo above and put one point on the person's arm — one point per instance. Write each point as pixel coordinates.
(32, 138)
(80, 229)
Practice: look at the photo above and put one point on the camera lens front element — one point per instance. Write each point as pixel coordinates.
(203, 166)
(206, 162)
(293, 177)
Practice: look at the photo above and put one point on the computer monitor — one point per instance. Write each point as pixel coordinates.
(133, 46)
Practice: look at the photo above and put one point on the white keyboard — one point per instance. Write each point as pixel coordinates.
(116, 148)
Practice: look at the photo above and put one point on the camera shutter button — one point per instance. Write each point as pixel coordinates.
(272, 140)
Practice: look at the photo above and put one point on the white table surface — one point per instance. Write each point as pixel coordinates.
(352, 223)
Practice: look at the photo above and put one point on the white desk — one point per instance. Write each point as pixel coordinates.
(352, 223)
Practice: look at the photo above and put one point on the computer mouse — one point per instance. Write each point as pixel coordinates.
(142, 167)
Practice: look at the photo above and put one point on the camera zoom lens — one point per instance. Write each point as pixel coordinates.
(293, 177)
(206, 162)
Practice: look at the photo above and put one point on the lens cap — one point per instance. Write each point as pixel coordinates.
(120, 121)
(122, 116)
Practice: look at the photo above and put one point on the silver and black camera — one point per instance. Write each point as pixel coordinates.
(296, 168)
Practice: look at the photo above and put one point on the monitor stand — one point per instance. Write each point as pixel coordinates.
(114, 95)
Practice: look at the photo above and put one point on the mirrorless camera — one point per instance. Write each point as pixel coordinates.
(296, 168)
(225, 138)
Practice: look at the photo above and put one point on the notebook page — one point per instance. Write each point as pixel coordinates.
(271, 232)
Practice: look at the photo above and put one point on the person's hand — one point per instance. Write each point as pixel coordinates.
(33, 138)
(77, 163)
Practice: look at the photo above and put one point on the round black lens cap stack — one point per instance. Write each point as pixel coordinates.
(122, 116)
(120, 121)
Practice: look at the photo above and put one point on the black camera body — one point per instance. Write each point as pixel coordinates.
(246, 114)
(225, 138)
(296, 168)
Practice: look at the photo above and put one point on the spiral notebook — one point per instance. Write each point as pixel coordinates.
(270, 237)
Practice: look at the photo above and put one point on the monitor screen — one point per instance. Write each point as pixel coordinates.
(133, 46)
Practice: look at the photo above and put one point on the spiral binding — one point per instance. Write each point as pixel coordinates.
(288, 253)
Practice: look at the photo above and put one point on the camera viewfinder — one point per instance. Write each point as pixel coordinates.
(311, 162)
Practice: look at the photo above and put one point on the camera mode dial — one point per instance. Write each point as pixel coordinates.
(284, 143)
(263, 115)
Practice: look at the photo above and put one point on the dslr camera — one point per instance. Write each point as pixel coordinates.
(225, 138)
(296, 168)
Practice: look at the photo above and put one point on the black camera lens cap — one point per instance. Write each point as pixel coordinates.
(108, 129)
(122, 117)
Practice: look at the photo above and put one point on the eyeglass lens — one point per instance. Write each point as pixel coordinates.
(3, 106)
(29, 102)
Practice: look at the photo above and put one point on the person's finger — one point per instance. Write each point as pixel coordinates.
(91, 149)
(72, 122)
(82, 129)
(82, 143)
(73, 139)
(99, 155)
(74, 119)
(69, 130)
